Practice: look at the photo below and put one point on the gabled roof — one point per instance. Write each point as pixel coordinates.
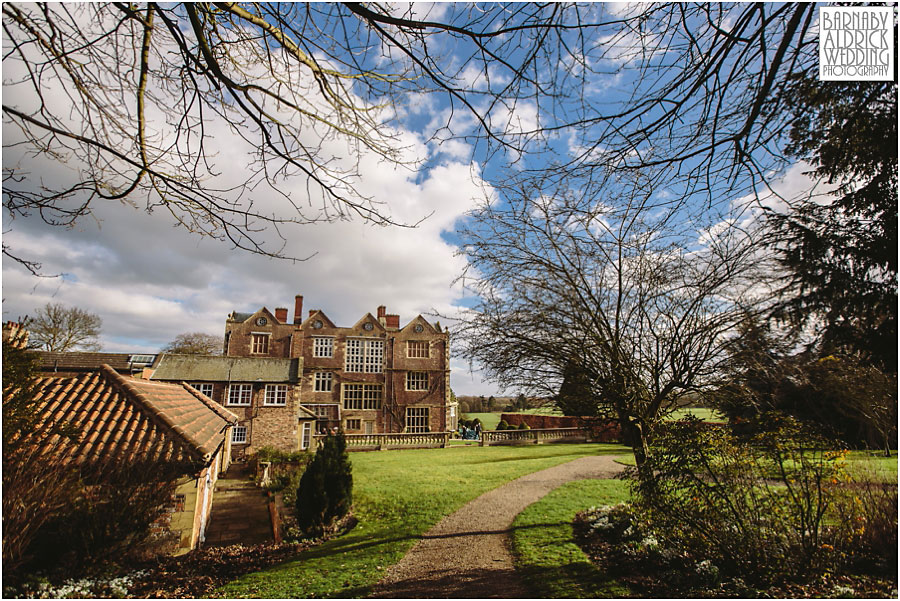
(215, 368)
(242, 317)
(124, 419)
(368, 317)
(315, 314)
(418, 319)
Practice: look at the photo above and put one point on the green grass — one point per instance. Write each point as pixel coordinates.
(489, 421)
(546, 554)
(398, 495)
(701, 413)
(865, 463)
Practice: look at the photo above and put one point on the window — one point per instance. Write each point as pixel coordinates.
(417, 419)
(452, 411)
(417, 380)
(204, 388)
(306, 437)
(323, 347)
(323, 381)
(240, 394)
(276, 394)
(362, 396)
(354, 424)
(259, 344)
(322, 410)
(417, 349)
(239, 435)
(365, 356)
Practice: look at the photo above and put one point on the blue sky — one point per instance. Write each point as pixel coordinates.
(150, 280)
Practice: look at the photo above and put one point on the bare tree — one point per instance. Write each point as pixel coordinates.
(195, 343)
(58, 328)
(631, 293)
(150, 105)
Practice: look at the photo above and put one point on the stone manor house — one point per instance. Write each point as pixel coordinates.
(288, 379)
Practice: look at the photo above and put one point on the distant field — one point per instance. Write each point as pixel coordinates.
(701, 413)
(490, 420)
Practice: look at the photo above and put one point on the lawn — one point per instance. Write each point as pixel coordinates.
(489, 421)
(548, 557)
(398, 495)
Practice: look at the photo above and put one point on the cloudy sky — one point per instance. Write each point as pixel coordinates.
(150, 279)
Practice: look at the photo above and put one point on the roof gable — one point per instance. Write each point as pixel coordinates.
(360, 326)
(313, 316)
(124, 419)
(418, 320)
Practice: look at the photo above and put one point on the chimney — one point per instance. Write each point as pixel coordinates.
(392, 321)
(381, 311)
(311, 311)
(298, 309)
(281, 314)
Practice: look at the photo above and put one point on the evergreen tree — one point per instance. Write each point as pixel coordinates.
(842, 256)
(325, 491)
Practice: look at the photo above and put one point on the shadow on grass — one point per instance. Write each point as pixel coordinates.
(347, 544)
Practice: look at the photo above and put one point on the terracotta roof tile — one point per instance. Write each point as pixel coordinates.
(121, 418)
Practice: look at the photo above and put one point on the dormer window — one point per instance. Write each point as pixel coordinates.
(259, 344)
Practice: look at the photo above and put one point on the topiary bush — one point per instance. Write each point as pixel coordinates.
(503, 425)
(524, 426)
(325, 491)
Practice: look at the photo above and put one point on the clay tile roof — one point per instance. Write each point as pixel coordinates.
(121, 418)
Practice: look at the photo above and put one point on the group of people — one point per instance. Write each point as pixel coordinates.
(470, 433)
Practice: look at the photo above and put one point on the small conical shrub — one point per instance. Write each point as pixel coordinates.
(503, 425)
(325, 491)
(339, 478)
(524, 426)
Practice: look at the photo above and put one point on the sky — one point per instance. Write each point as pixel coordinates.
(150, 280)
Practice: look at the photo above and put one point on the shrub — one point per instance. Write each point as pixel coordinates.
(325, 492)
(276, 456)
(755, 507)
(865, 531)
(524, 426)
(503, 425)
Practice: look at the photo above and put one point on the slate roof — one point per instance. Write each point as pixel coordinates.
(240, 317)
(209, 368)
(125, 419)
(83, 361)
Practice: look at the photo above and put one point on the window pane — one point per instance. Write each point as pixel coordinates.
(322, 381)
(323, 347)
(417, 349)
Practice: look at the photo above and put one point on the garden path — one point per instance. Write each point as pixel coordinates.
(240, 512)
(466, 555)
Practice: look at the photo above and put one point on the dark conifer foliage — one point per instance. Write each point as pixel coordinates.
(842, 256)
(325, 492)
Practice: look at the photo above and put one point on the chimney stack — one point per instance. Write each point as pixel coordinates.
(281, 314)
(392, 321)
(381, 311)
(298, 309)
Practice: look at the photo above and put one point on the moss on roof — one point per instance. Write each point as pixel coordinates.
(206, 368)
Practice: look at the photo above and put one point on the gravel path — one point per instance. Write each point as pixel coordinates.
(466, 555)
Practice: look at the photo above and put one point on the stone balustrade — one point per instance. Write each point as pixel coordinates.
(411, 440)
(433, 440)
(533, 436)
